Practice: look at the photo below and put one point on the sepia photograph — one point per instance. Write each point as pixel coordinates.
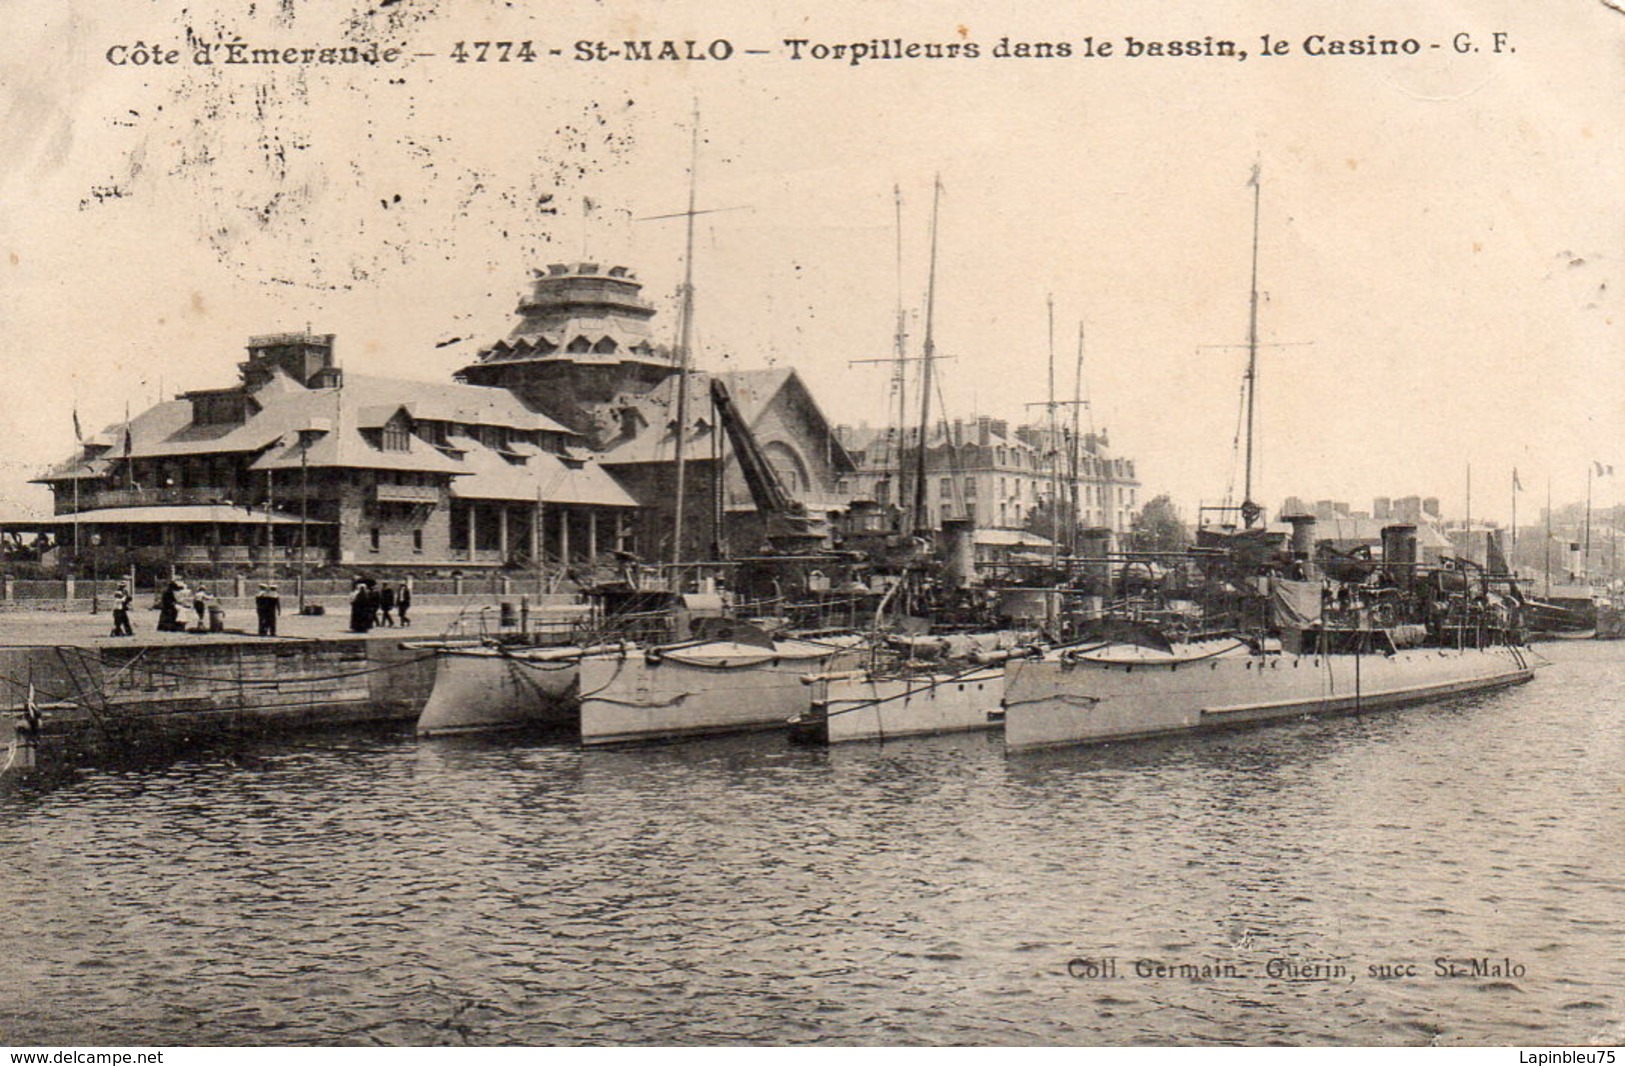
(616, 523)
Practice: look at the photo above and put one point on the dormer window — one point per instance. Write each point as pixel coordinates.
(396, 437)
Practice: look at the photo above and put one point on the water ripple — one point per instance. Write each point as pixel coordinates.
(373, 890)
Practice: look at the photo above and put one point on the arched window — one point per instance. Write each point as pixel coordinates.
(788, 465)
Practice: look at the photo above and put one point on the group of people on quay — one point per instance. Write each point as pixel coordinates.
(372, 604)
(174, 601)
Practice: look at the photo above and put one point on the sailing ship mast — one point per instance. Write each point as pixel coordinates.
(1548, 535)
(1585, 560)
(1075, 456)
(1054, 450)
(927, 354)
(1250, 510)
(684, 348)
(899, 380)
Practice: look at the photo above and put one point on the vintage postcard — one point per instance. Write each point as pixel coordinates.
(632, 523)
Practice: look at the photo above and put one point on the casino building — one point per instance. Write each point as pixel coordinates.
(556, 445)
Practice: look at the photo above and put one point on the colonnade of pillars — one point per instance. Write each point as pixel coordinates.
(554, 531)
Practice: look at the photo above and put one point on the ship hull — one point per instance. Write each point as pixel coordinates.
(482, 689)
(703, 690)
(861, 707)
(1064, 700)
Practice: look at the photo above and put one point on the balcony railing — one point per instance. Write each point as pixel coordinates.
(407, 494)
(90, 501)
(243, 554)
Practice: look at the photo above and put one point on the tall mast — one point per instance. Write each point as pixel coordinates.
(1075, 456)
(928, 352)
(1585, 560)
(1250, 511)
(685, 334)
(1512, 554)
(1548, 535)
(1054, 448)
(899, 380)
(1469, 539)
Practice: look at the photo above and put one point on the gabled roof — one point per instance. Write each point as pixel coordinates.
(753, 391)
(281, 408)
(543, 476)
(444, 401)
(346, 447)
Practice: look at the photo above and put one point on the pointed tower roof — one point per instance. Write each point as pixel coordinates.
(583, 313)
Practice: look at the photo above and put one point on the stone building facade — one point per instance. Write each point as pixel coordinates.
(994, 474)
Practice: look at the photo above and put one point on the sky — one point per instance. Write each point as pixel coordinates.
(1438, 247)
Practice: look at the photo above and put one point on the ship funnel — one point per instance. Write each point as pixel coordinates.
(1303, 534)
(1094, 545)
(1303, 542)
(959, 550)
(1399, 553)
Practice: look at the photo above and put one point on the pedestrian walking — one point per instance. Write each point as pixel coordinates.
(403, 602)
(121, 611)
(386, 605)
(169, 607)
(363, 606)
(267, 605)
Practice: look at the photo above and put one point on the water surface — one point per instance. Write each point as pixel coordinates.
(364, 888)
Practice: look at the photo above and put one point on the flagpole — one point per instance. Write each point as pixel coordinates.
(1469, 540)
(79, 440)
(1548, 534)
(1513, 557)
(1585, 559)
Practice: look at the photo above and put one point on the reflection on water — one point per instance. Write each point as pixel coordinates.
(370, 888)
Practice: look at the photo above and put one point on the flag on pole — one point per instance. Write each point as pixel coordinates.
(1603, 469)
(129, 445)
(78, 434)
(1517, 486)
